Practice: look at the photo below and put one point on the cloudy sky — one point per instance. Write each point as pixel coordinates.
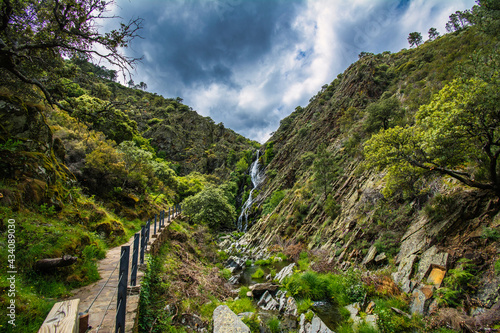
(249, 63)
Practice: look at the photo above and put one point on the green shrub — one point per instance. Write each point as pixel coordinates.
(497, 266)
(223, 256)
(331, 207)
(263, 262)
(259, 273)
(491, 234)
(253, 323)
(304, 305)
(243, 291)
(241, 305)
(210, 206)
(274, 325)
(226, 273)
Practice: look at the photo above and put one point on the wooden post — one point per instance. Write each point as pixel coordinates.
(62, 318)
(135, 255)
(121, 301)
(143, 243)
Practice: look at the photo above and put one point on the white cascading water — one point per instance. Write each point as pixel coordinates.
(256, 179)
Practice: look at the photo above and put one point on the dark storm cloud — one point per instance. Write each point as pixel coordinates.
(249, 63)
(200, 42)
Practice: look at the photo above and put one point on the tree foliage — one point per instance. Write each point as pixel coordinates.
(433, 33)
(36, 35)
(211, 207)
(382, 114)
(415, 39)
(326, 169)
(458, 21)
(456, 134)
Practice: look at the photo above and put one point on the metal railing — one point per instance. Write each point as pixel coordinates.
(140, 245)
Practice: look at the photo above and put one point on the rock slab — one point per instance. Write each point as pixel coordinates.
(226, 321)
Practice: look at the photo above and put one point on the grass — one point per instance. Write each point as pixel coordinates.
(42, 233)
(342, 289)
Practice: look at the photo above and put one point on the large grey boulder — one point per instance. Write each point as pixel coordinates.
(315, 326)
(402, 276)
(226, 321)
(267, 302)
(259, 289)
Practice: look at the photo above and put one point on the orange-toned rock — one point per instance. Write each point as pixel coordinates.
(428, 290)
(436, 276)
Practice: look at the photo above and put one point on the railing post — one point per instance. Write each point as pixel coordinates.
(143, 243)
(121, 301)
(135, 255)
(168, 214)
(148, 230)
(154, 229)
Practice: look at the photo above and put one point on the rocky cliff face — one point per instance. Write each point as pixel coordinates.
(440, 226)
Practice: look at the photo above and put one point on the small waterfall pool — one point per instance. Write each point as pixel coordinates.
(256, 180)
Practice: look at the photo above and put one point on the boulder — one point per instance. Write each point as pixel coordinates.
(318, 326)
(372, 252)
(285, 272)
(436, 276)
(291, 307)
(267, 302)
(418, 302)
(259, 289)
(402, 276)
(380, 258)
(430, 259)
(235, 279)
(226, 321)
(315, 326)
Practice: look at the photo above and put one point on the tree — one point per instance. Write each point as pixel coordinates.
(486, 15)
(211, 207)
(326, 169)
(382, 113)
(433, 33)
(459, 20)
(36, 35)
(457, 134)
(415, 38)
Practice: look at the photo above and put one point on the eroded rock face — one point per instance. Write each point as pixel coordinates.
(285, 272)
(226, 321)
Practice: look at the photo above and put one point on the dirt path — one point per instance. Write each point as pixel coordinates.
(105, 304)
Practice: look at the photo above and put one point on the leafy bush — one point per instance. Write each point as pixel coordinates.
(241, 305)
(259, 273)
(226, 273)
(211, 207)
(274, 325)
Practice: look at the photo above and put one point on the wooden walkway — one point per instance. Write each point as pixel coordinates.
(105, 304)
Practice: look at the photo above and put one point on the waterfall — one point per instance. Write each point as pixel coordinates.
(256, 180)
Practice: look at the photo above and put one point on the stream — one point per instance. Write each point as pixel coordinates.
(329, 313)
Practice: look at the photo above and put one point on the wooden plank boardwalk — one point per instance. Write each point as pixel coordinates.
(104, 306)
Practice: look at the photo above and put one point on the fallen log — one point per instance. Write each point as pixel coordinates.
(46, 264)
